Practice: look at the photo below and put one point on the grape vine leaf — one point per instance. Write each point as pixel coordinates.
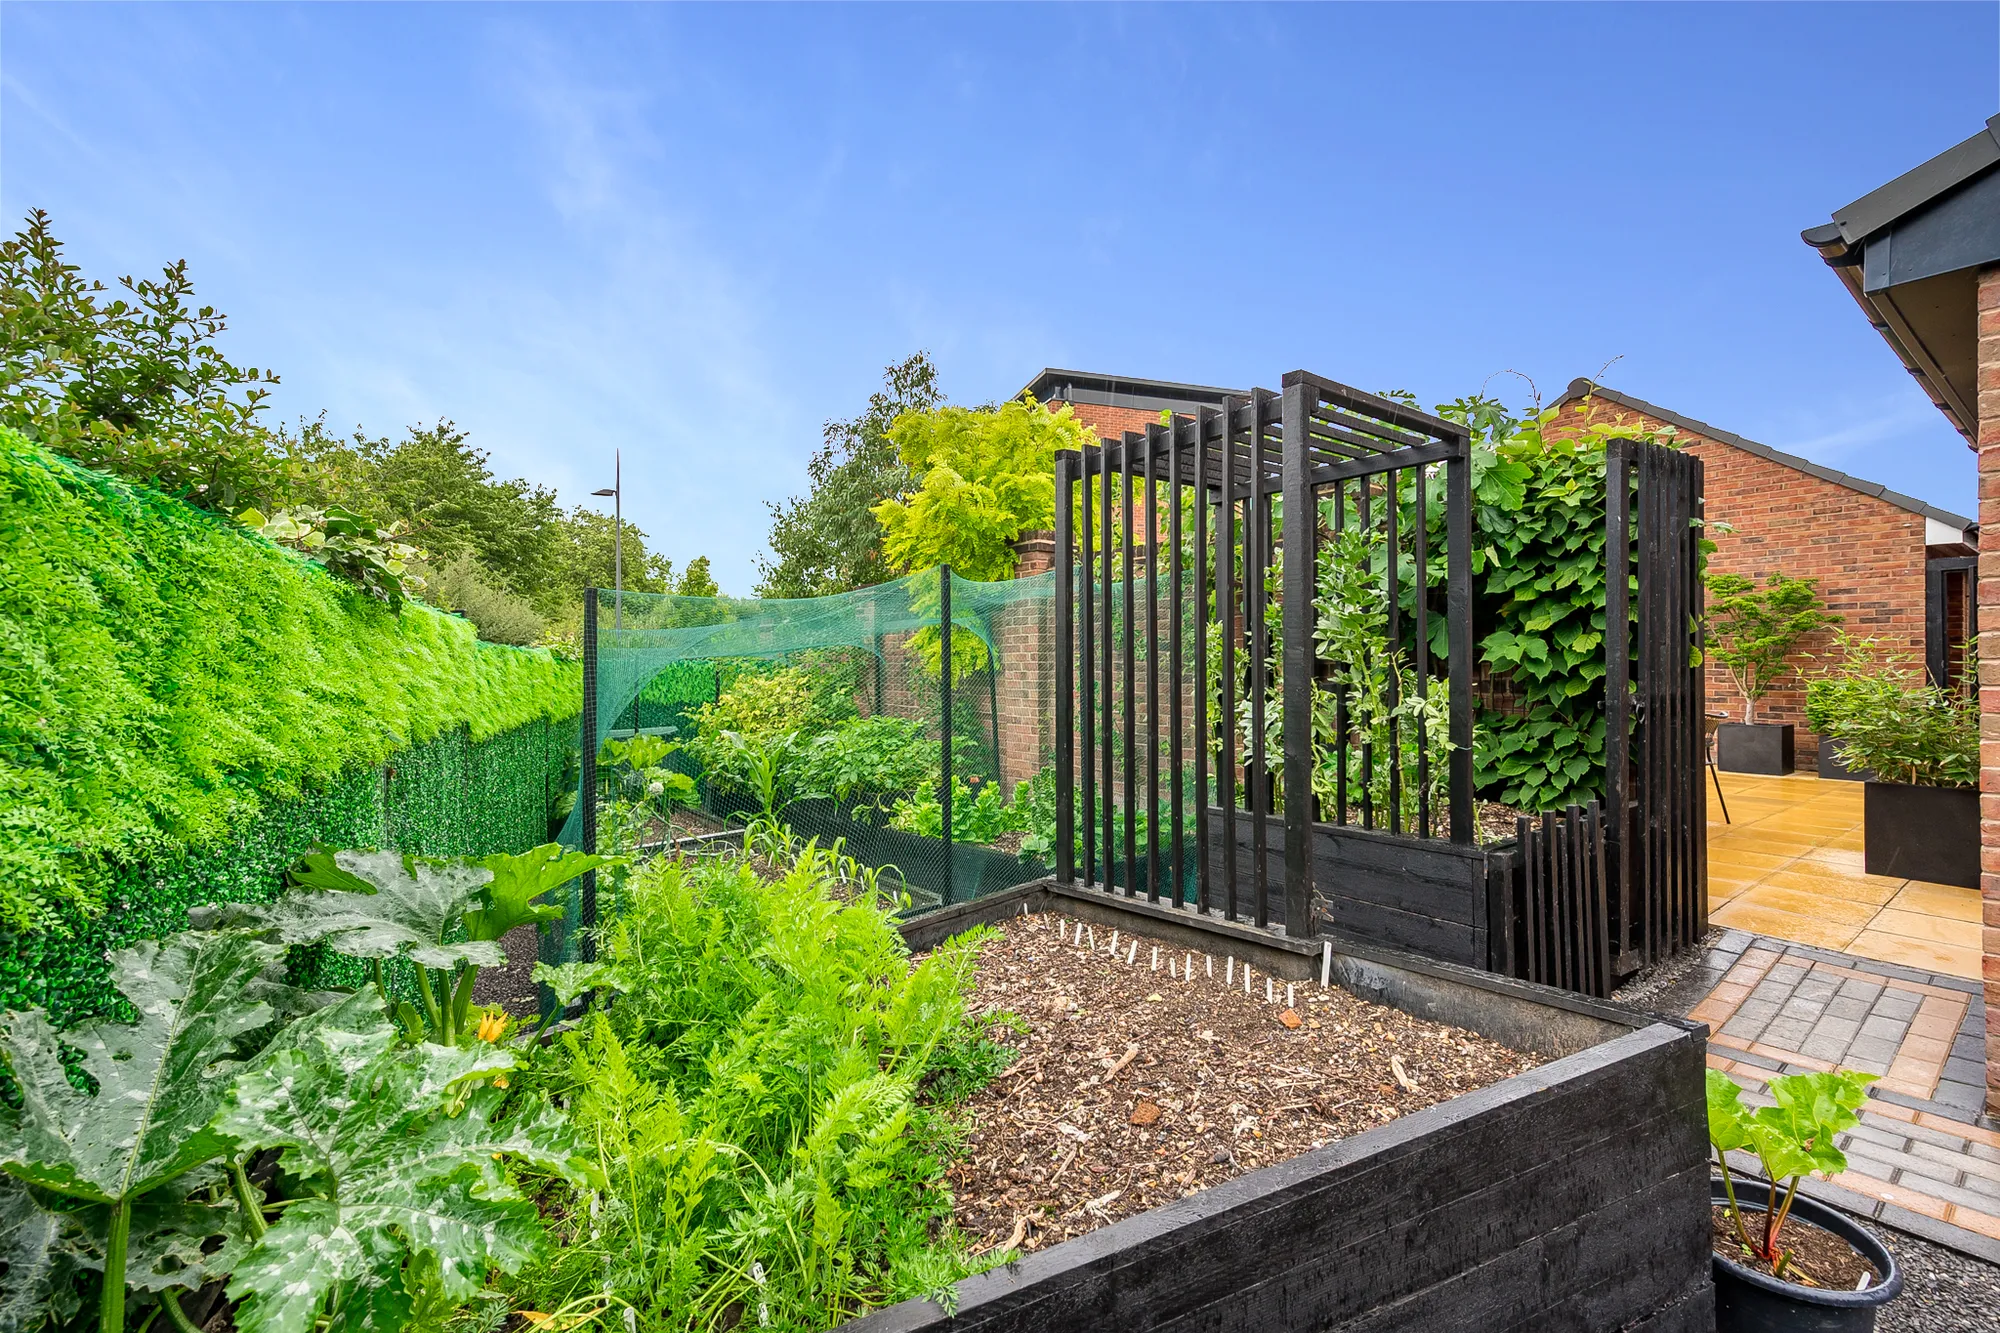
(411, 907)
(398, 1150)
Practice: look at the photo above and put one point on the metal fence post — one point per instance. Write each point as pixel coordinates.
(1066, 463)
(945, 729)
(587, 918)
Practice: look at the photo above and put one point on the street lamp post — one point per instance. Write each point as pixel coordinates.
(617, 494)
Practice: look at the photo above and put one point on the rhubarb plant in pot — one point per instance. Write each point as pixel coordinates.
(1920, 742)
(1783, 1261)
(1753, 634)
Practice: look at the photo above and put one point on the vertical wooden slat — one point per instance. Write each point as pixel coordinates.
(1087, 653)
(1698, 607)
(1256, 557)
(1458, 576)
(1362, 517)
(1128, 686)
(1300, 557)
(1203, 418)
(1392, 523)
(1065, 669)
(1617, 679)
(1105, 683)
(1152, 731)
(1340, 693)
(1423, 650)
(1226, 617)
(1178, 681)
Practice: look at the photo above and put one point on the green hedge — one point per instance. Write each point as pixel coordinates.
(179, 698)
(449, 796)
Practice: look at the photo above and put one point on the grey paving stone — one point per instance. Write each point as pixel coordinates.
(1950, 1193)
(1897, 1004)
(1882, 1166)
(1883, 1028)
(1968, 1047)
(1816, 988)
(1752, 1058)
(1878, 1068)
(1887, 1139)
(1830, 1049)
(1936, 1137)
(1842, 1029)
(1985, 1186)
(1848, 1006)
(1967, 1097)
(1787, 1032)
(1747, 1029)
(1943, 1160)
(1856, 987)
(1961, 1070)
(1877, 1049)
(1786, 973)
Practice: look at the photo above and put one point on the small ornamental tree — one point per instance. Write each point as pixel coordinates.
(1754, 631)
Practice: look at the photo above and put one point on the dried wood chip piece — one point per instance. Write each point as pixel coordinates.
(1145, 1113)
(1289, 1018)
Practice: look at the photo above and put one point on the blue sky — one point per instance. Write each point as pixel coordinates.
(696, 233)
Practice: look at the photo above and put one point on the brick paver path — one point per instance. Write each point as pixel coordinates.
(1924, 1158)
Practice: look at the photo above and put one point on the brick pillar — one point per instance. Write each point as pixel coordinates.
(1034, 553)
(1989, 666)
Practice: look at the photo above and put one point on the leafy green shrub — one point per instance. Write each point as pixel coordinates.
(1884, 716)
(462, 586)
(766, 703)
(754, 1098)
(869, 756)
(165, 675)
(345, 544)
(1753, 632)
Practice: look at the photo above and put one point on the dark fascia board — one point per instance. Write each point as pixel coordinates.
(1084, 386)
(1918, 186)
(1583, 388)
(1844, 243)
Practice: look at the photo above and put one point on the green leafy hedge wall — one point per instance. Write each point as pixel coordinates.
(183, 705)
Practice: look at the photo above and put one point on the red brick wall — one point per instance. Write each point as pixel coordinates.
(1111, 422)
(1989, 666)
(1866, 555)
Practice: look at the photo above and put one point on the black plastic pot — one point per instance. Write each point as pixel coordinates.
(1754, 747)
(1834, 768)
(1747, 1301)
(1928, 833)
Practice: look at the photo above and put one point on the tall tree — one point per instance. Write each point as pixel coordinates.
(829, 540)
(132, 384)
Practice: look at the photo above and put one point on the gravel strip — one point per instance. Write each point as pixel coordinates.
(1943, 1291)
(1136, 1086)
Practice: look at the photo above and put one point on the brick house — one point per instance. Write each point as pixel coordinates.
(1921, 256)
(1893, 566)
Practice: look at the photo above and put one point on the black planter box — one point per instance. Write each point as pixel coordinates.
(1574, 1196)
(1834, 768)
(1928, 833)
(1760, 747)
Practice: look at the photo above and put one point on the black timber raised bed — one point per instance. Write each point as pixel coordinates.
(1754, 747)
(1422, 894)
(1574, 1196)
(1927, 833)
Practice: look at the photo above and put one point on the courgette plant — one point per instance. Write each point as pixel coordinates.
(1792, 1140)
(108, 1174)
(445, 918)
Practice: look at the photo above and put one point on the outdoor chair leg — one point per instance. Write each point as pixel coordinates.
(1717, 778)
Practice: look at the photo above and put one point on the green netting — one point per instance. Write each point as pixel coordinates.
(830, 716)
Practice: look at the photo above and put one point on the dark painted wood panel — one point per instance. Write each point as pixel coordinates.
(1571, 1197)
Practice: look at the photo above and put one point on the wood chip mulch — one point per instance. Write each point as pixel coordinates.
(1136, 1086)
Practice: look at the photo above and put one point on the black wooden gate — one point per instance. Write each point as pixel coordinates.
(1369, 825)
(1655, 703)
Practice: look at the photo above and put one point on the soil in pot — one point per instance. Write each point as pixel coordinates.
(1136, 1085)
(1818, 1258)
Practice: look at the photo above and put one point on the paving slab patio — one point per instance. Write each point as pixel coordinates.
(1924, 1159)
(1788, 864)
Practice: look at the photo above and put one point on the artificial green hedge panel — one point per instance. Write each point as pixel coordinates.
(171, 684)
(449, 796)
